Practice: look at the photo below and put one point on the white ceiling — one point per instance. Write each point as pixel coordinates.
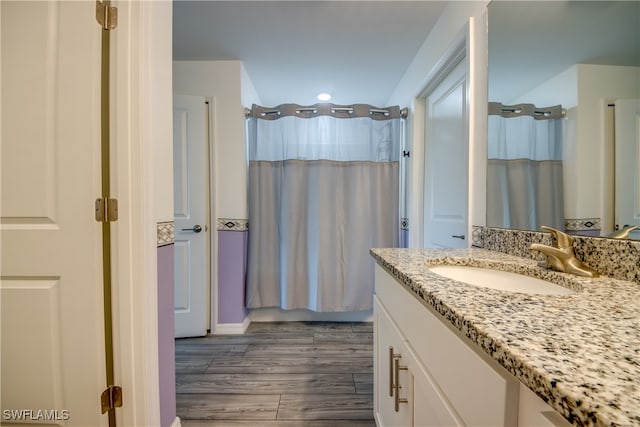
(531, 41)
(359, 50)
(293, 50)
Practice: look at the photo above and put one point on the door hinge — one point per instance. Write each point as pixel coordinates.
(111, 398)
(106, 15)
(106, 210)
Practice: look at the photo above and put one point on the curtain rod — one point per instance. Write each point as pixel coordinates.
(340, 111)
(518, 110)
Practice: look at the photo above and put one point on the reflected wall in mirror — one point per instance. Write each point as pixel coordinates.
(584, 56)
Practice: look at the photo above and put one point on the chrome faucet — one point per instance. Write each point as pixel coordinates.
(563, 258)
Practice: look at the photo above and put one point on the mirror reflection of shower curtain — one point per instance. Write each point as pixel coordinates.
(524, 173)
(322, 191)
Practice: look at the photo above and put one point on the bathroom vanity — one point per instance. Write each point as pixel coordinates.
(451, 353)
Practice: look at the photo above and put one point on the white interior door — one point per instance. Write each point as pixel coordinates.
(446, 190)
(191, 200)
(52, 334)
(627, 163)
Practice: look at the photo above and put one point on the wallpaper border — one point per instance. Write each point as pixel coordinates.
(232, 224)
(165, 232)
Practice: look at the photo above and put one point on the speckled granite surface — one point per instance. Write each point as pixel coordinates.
(579, 352)
(611, 257)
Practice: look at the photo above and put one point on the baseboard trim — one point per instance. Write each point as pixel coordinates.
(232, 328)
(176, 422)
(279, 315)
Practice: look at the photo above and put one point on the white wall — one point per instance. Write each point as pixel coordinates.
(158, 79)
(597, 86)
(560, 89)
(249, 94)
(584, 90)
(456, 17)
(222, 82)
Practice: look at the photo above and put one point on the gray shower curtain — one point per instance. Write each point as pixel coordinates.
(525, 186)
(323, 189)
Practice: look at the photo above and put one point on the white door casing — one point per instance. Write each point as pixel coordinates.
(141, 99)
(191, 201)
(446, 162)
(52, 335)
(627, 162)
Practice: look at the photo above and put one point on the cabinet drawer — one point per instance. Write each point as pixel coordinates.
(482, 394)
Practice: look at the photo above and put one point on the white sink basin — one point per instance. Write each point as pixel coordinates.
(500, 280)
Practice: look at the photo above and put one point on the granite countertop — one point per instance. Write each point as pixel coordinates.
(579, 352)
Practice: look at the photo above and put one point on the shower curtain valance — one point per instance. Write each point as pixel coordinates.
(518, 110)
(290, 131)
(339, 111)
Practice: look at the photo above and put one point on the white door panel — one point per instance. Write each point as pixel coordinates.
(52, 333)
(446, 163)
(190, 168)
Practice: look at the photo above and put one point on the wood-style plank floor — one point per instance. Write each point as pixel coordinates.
(282, 374)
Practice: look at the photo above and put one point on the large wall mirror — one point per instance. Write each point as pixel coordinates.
(582, 167)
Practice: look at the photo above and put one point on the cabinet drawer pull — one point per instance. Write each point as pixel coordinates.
(396, 370)
(391, 355)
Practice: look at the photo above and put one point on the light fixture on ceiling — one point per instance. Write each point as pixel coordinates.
(324, 96)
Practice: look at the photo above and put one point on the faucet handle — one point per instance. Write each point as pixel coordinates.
(563, 239)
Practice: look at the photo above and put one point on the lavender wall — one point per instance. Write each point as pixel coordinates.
(404, 238)
(232, 262)
(166, 342)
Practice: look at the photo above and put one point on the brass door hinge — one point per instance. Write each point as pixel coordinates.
(111, 398)
(106, 15)
(106, 210)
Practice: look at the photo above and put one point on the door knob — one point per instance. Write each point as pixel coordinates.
(196, 228)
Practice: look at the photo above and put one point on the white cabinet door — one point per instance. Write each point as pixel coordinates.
(420, 402)
(430, 408)
(389, 351)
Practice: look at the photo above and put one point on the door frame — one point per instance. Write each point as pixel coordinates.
(470, 42)
(212, 290)
(134, 238)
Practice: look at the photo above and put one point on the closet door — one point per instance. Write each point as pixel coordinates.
(191, 201)
(446, 163)
(52, 333)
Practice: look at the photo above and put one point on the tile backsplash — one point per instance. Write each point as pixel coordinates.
(610, 257)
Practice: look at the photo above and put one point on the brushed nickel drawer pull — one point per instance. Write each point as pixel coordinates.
(397, 368)
(391, 356)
